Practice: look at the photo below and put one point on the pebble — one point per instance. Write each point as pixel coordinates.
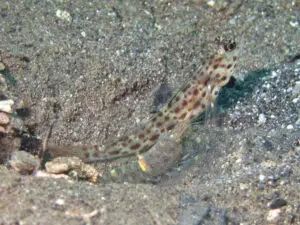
(23, 162)
(273, 214)
(74, 167)
(261, 119)
(289, 127)
(277, 203)
(294, 23)
(5, 105)
(2, 129)
(63, 164)
(60, 201)
(2, 66)
(262, 179)
(64, 15)
(4, 119)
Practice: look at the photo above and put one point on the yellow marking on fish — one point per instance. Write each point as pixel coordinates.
(143, 165)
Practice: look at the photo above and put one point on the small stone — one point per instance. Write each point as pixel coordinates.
(262, 179)
(5, 106)
(277, 203)
(283, 182)
(243, 186)
(2, 66)
(273, 74)
(23, 162)
(294, 23)
(211, 3)
(2, 130)
(289, 127)
(4, 119)
(74, 167)
(64, 15)
(273, 214)
(60, 201)
(261, 119)
(63, 164)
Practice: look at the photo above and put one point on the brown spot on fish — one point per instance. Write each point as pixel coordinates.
(191, 117)
(183, 116)
(218, 59)
(141, 135)
(171, 126)
(148, 131)
(229, 66)
(160, 114)
(153, 119)
(195, 92)
(223, 78)
(115, 152)
(87, 155)
(216, 66)
(184, 103)
(134, 147)
(167, 118)
(124, 144)
(177, 98)
(162, 130)
(218, 75)
(169, 105)
(203, 94)
(197, 104)
(177, 110)
(154, 137)
(158, 124)
(206, 81)
(223, 66)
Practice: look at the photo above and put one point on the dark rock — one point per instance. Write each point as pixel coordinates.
(277, 203)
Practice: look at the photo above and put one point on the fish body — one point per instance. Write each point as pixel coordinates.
(195, 97)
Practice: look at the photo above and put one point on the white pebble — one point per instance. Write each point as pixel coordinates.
(289, 127)
(273, 74)
(60, 201)
(261, 119)
(64, 15)
(294, 23)
(211, 3)
(5, 106)
(262, 178)
(273, 214)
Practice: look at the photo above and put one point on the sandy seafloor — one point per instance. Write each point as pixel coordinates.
(94, 67)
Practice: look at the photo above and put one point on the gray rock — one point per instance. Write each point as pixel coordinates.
(23, 162)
